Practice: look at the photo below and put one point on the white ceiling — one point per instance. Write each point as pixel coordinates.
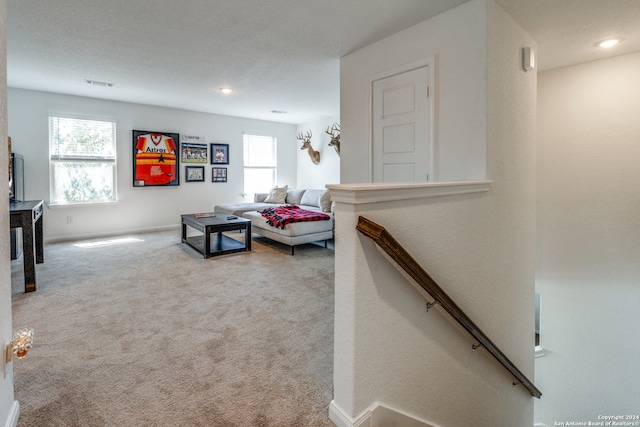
(275, 54)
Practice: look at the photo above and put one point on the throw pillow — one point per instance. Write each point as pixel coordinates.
(277, 195)
(294, 196)
(311, 198)
(325, 201)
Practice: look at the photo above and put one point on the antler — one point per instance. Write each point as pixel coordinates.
(333, 129)
(304, 138)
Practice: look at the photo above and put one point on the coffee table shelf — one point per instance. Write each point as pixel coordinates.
(211, 242)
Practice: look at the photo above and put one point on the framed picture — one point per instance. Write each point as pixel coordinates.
(194, 173)
(218, 174)
(219, 154)
(194, 153)
(155, 158)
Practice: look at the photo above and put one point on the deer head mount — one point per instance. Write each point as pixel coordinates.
(306, 144)
(335, 139)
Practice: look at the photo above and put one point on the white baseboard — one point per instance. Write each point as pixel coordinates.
(384, 416)
(341, 419)
(14, 413)
(376, 415)
(100, 235)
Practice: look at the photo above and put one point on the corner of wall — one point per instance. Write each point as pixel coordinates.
(8, 406)
(341, 419)
(14, 414)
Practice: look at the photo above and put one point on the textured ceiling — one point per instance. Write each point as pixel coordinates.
(275, 54)
(567, 30)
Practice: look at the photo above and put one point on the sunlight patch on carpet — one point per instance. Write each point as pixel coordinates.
(110, 242)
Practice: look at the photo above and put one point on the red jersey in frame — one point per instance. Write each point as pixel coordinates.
(156, 158)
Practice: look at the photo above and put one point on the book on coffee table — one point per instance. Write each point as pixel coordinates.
(205, 215)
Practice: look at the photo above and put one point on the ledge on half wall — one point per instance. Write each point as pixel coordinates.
(356, 194)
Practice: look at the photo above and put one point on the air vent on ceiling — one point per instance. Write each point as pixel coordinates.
(97, 83)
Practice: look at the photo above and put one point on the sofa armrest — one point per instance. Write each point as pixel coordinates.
(259, 197)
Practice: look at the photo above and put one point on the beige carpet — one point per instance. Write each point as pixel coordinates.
(148, 333)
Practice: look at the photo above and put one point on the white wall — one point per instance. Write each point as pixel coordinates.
(458, 40)
(479, 247)
(137, 208)
(328, 170)
(8, 406)
(588, 269)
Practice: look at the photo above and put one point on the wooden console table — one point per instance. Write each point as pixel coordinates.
(28, 216)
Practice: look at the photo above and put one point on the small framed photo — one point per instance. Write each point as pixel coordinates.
(194, 153)
(219, 154)
(194, 173)
(218, 174)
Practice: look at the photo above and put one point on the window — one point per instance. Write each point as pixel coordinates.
(82, 160)
(260, 163)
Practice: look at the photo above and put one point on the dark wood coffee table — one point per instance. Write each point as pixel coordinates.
(212, 242)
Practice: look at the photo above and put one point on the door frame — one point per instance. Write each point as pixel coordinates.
(430, 61)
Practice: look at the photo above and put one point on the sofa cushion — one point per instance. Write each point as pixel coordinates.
(294, 229)
(277, 195)
(294, 197)
(311, 198)
(259, 197)
(318, 198)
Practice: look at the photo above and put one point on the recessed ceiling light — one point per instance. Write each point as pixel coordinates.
(278, 112)
(97, 83)
(226, 90)
(608, 43)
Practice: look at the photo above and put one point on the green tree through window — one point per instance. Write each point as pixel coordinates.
(82, 160)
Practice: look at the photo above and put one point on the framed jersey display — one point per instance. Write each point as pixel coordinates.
(155, 158)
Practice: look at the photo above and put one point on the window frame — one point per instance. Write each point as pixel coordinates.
(56, 157)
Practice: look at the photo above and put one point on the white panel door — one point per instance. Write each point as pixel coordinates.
(401, 127)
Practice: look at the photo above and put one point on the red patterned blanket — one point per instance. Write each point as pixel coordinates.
(282, 215)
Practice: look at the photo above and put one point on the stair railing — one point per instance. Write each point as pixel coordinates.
(392, 248)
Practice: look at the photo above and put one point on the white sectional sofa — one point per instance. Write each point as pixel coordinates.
(292, 234)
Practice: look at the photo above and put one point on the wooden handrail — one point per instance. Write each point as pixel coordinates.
(392, 248)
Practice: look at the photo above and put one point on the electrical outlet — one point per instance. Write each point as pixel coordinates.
(69, 219)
